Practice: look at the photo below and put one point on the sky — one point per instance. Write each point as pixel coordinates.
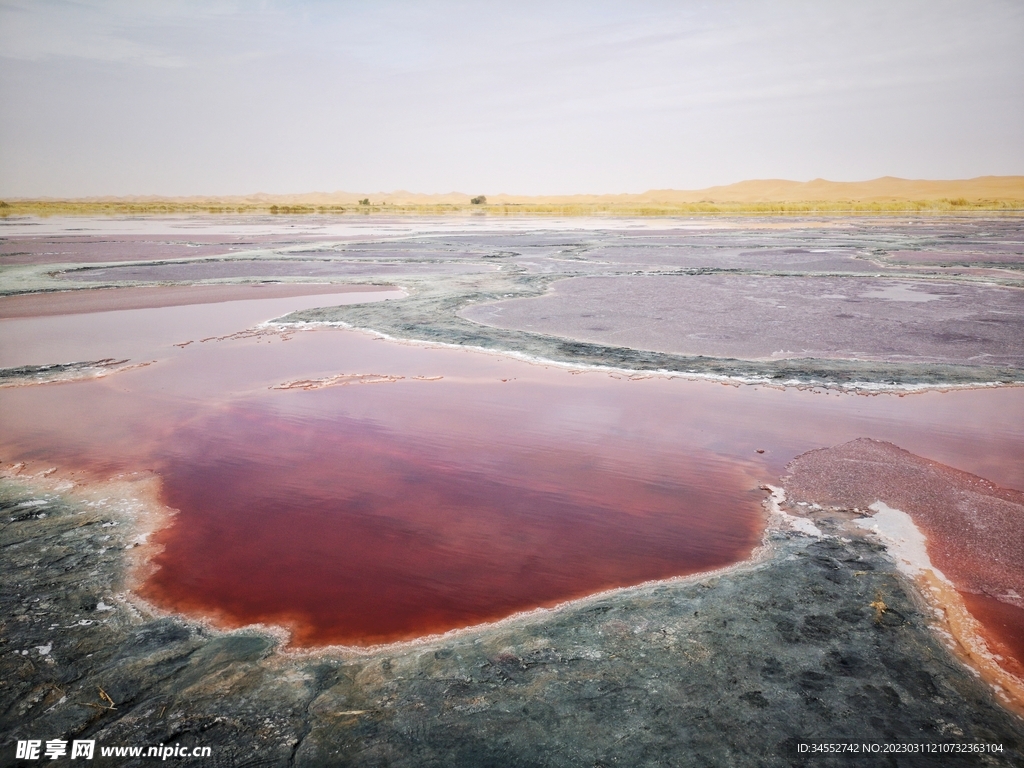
(222, 97)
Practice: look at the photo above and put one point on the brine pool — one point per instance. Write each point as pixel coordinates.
(360, 491)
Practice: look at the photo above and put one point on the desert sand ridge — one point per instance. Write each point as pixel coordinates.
(884, 189)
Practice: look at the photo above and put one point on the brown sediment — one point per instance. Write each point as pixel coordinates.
(974, 534)
(52, 303)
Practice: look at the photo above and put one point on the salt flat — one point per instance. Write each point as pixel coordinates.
(585, 352)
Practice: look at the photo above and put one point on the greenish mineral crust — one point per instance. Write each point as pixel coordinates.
(45, 374)
(430, 314)
(734, 668)
(957, 283)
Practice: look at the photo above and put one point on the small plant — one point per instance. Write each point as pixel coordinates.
(365, 201)
(479, 200)
(879, 606)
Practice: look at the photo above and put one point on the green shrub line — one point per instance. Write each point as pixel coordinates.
(480, 205)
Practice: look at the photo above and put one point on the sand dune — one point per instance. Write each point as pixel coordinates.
(884, 189)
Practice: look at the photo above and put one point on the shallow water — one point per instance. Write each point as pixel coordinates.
(368, 513)
(376, 512)
(1004, 629)
(461, 487)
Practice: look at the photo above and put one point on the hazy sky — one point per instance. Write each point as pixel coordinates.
(550, 97)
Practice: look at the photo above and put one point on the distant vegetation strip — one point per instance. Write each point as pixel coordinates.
(115, 208)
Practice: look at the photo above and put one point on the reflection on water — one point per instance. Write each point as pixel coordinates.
(373, 512)
(355, 533)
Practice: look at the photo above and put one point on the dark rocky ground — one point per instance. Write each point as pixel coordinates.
(732, 669)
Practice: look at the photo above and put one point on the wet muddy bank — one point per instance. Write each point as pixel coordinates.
(735, 668)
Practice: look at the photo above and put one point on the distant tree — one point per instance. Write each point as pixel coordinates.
(274, 209)
(479, 200)
(365, 201)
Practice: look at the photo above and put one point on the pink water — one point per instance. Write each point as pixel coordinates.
(375, 512)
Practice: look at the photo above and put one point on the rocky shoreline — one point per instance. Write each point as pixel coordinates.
(819, 639)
